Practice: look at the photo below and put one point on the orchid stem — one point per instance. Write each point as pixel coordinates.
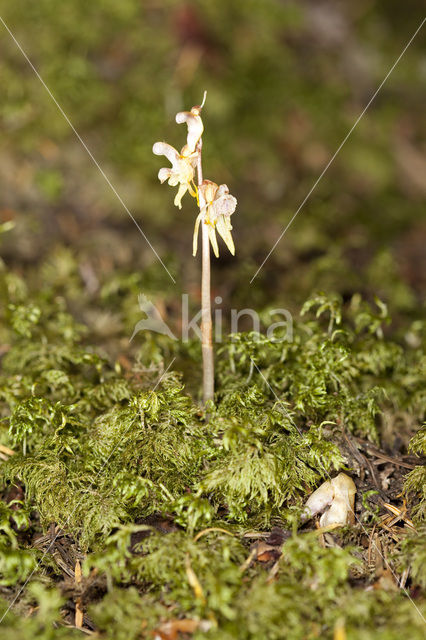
(206, 313)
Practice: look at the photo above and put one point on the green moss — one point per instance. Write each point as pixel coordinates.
(338, 366)
(309, 595)
(16, 562)
(415, 482)
(45, 623)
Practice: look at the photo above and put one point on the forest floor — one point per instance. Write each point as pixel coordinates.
(127, 512)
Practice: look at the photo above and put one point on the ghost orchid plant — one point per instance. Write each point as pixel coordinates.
(216, 206)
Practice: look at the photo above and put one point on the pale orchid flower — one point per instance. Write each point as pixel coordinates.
(220, 205)
(182, 171)
(195, 126)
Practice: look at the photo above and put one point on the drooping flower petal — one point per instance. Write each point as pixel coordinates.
(213, 239)
(195, 236)
(164, 174)
(164, 149)
(183, 188)
(224, 229)
(195, 126)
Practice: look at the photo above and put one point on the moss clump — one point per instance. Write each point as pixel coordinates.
(43, 624)
(415, 482)
(338, 366)
(16, 563)
(262, 460)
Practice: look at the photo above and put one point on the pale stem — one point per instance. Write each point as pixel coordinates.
(206, 314)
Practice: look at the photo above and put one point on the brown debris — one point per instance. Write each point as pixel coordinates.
(173, 628)
(78, 601)
(6, 452)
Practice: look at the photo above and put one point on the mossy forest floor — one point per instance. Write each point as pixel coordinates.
(126, 511)
(129, 513)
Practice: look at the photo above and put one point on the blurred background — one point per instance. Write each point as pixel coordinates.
(285, 81)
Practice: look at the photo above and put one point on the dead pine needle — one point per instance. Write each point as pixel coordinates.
(78, 602)
(193, 581)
